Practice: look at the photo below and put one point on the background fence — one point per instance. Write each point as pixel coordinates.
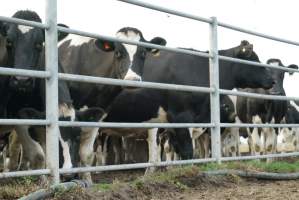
(52, 76)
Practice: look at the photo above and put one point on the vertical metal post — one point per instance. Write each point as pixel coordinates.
(214, 97)
(51, 54)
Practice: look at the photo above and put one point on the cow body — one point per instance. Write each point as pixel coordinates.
(251, 110)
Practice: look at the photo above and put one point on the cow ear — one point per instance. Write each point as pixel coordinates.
(61, 35)
(293, 66)
(3, 28)
(104, 45)
(157, 41)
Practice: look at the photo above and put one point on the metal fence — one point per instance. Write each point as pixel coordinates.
(52, 76)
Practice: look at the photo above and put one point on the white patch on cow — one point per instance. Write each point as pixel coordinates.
(76, 40)
(24, 29)
(243, 140)
(131, 50)
(132, 76)
(67, 111)
(152, 145)
(274, 63)
(67, 164)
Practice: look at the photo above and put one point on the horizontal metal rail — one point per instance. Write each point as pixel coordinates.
(143, 44)
(257, 95)
(111, 81)
(177, 50)
(133, 166)
(167, 10)
(133, 125)
(247, 125)
(23, 72)
(236, 60)
(24, 173)
(270, 37)
(202, 19)
(34, 122)
(281, 155)
(23, 22)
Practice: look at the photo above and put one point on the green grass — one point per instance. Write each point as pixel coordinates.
(173, 175)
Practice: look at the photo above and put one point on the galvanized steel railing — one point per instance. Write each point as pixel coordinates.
(51, 75)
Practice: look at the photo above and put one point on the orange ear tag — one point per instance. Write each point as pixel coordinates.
(106, 45)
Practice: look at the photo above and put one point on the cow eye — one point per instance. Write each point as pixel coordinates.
(38, 46)
(118, 54)
(143, 54)
(8, 43)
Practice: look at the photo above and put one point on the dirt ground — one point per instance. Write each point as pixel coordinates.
(191, 188)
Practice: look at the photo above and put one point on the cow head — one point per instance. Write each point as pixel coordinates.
(250, 76)
(180, 138)
(129, 59)
(24, 45)
(278, 76)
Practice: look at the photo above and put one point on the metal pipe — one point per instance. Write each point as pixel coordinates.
(52, 131)
(23, 72)
(177, 50)
(167, 10)
(24, 173)
(23, 22)
(34, 122)
(225, 25)
(258, 96)
(202, 19)
(246, 125)
(133, 125)
(133, 166)
(111, 81)
(214, 97)
(236, 60)
(281, 155)
(144, 44)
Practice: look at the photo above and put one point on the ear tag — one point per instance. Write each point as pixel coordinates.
(106, 46)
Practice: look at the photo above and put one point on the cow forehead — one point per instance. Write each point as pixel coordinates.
(274, 63)
(130, 35)
(24, 29)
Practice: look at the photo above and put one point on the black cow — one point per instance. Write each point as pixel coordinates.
(251, 110)
(170, 67)
(25, 50)
(97, 57)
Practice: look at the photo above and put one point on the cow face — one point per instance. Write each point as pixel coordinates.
(129, 59)
(24, 46)
(278, 76)
(250, 76)
(180, 138)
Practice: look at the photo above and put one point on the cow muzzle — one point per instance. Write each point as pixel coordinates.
(21, 83)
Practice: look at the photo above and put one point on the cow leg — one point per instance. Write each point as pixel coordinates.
(206, 144)
(152, 148)
(14, 150)
(116, 147)
(32, 151)
(87, 139)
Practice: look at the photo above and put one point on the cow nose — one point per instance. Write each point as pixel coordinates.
(22, 81)
(133, 78)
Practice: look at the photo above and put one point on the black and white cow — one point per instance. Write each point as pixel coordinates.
(251, 110)
(25, 50)
(170, 67)
(290, 135)
(102, 58)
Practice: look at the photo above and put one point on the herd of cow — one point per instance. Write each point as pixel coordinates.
(22, 47)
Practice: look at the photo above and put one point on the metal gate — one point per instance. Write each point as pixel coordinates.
(52, 76)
